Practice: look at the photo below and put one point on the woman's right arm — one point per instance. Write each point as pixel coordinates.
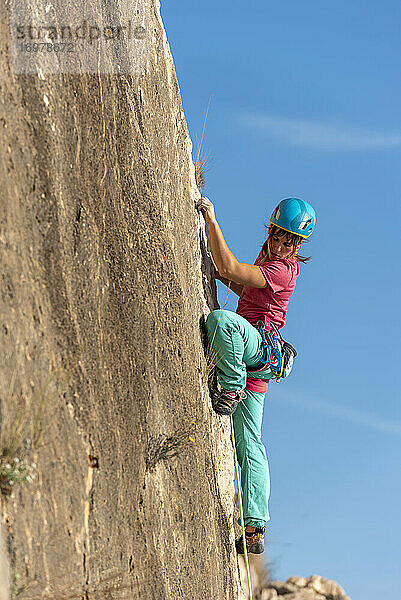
(235, 287)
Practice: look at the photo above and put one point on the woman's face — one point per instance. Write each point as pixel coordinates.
(279, 246)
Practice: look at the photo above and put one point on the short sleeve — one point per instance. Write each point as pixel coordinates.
(278, 274)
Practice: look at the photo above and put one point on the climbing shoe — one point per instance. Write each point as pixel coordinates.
(225, 402)
(254, 541)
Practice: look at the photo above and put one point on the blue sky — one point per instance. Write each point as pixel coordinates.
(307, 103)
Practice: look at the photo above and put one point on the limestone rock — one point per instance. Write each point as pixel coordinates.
(327, 588)
(269, 594)
(283, 588)
(298, 581)
(105, 286)
(304, 594)
(4, 593)
(311, 588)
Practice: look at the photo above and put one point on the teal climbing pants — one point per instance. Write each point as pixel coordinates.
(233, 344)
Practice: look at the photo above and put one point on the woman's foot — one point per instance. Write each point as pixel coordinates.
(254, 541)
(226, 401)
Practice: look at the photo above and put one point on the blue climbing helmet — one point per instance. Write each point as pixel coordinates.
(294, 215)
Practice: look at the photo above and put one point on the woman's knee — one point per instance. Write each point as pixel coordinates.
(250, 446)
(214, 318)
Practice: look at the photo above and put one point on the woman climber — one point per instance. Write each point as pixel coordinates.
(238, 349)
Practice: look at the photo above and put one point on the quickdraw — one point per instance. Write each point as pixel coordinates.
(279, 353)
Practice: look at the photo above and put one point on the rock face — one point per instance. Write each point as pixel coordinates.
(105, 287)
(4, 577)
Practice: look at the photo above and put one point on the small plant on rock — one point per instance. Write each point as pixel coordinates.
(202, 161)
(163, 447)
(24, 423)
(18, 471)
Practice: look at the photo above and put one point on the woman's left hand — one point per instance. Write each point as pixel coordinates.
(207, 209)
(217, 274)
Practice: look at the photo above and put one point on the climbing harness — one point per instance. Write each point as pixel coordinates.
(277, 356)
(241, 512)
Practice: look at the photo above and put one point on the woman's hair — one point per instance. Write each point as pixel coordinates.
(295, 239)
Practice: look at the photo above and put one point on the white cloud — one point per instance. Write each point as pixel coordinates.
(319, 135)
(345, 413)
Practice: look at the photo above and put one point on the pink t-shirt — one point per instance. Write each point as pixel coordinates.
(255, 304)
